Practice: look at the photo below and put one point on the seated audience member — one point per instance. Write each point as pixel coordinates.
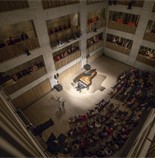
(2, 44)
(73, 49)
(14, 77)
(115, 40)
(66, 54)
(57, 58)
(108, 151)
(11, 41)
(24, 36)
(34, 68)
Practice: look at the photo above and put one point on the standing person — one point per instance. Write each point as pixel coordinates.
(58, 103)
(61, 103)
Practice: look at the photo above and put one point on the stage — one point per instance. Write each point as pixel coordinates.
(75, 103)
(96, 84)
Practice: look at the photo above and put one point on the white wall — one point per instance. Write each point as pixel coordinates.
(39, 17)
(146, 14)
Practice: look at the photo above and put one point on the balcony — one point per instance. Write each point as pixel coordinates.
(136, 3)
(57, 38)
(117, 48)
(149, 36)
(57, 3)
(94, 1)
(94, 26)
(8, 5)
(67, 60)
(12, 86)
(95, 46)
(153, 10)
(12, 51)
(146, 60)
(121, 27)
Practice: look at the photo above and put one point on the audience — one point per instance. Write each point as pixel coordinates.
(63, 33)
(104, 130)
(16, 76)
(11, 41)
(123, 18)
(94, 40)
(119, 41)
(65, 53)
(147, 52)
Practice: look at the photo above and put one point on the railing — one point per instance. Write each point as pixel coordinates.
(131, 142)
(153, 10)
(18, 123)
(97, 25)
(67, 59)
(149, 36)
(121, 27)
(7, 5)
(95, 46)
(136, 3)
(94, 1)
(64, 35)
(17, 49)
(57, 3)
(146, 60)
(117, 48)
(11, 86)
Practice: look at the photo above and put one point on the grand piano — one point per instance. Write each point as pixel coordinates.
(84, 80)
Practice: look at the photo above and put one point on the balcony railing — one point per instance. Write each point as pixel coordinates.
(121, 27)
(94, 1)
(146, 60)
(117, 48)
(97, 25)
(67, 60)
(153, 10)
(57, 3)
(12, 86)
(64, 36)
(136, 3)
(149, 36)
(17, 49)
(95, 46)
(7, 5)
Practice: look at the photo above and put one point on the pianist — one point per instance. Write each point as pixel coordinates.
(80, 86)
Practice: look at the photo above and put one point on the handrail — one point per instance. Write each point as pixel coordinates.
(13, 110)
(131, 142)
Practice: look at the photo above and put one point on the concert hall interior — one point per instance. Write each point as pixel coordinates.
(77, 78)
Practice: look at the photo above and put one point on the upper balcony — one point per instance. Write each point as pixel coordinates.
(149, 34)
(95, 42)
(118, 44)
(94, 1)
(130, 3)
(22, 75)
(123, 21)
(95, 20)
(153, 10)
(8, 5)
(57, 3)
(63, 30)
(17, 39)
(66, 55)
(146, 55)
